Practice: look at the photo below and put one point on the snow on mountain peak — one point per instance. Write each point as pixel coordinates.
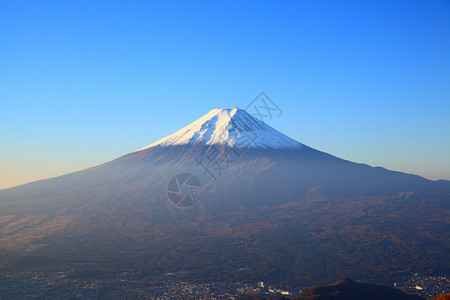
(233, 127)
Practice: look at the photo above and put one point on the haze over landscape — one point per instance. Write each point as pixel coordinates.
(225, 150)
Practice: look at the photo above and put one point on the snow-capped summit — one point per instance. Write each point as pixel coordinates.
(232, 127)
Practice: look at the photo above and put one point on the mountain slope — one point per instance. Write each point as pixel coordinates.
(267, 205)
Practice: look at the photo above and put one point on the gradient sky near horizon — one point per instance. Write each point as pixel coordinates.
(84, 82)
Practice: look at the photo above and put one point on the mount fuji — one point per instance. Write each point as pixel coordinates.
(228, 198)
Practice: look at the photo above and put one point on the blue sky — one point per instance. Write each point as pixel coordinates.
(83, 82)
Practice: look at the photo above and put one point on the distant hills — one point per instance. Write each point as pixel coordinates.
(229, 198)
(348, 289)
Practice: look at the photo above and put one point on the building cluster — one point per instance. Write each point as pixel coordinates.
(38, 285)
(425, 286)
(59, 285)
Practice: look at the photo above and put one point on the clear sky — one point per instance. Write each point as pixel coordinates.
(84, 82)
